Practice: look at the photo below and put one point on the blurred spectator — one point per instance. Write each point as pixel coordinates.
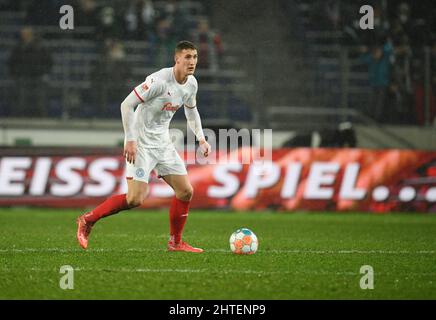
(395, 105)
(205, 51)
(209, 46)
(403, 14)
(86, 13)
(378, 61)
(164, 45)
(139, 20)
(380, 33)
(110, 78)
(329, 16)
(417, 18)
(419, 86)
(401, 91)
(421, 112)
(333, 13)
(180, 22)
(29, 65)
(169, 10)
(108, 23)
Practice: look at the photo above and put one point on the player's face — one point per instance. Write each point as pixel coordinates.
(186, 61)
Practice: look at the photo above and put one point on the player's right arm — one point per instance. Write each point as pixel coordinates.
(142, 93)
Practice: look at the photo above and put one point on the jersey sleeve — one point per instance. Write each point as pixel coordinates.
(191, 101)
(149, 89)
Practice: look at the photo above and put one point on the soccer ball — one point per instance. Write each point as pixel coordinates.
(243, 241)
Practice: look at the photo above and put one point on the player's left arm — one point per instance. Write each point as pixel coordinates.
(194, 122)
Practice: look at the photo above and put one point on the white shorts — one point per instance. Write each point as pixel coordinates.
(164, 160)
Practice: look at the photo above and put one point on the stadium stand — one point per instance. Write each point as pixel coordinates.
(303, 69)
(114, 45)
(346, 60)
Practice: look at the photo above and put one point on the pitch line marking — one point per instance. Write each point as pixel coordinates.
(257, 272)
(148, 270)
(296, 251)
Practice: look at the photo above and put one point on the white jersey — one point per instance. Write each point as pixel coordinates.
(161, 96)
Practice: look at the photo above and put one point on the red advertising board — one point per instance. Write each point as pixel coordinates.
(292, 180)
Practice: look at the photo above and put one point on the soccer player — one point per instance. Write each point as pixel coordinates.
(148, 146)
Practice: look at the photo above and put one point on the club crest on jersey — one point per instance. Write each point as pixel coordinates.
(169, 107)
(140, 172)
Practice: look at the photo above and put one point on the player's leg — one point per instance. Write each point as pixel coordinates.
(137, 186)
(172, 169)
(179, 211)
(179, 205)
(137, 192)
(85, 222)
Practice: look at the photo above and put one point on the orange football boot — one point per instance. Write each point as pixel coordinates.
(83, 231)
(182, 246)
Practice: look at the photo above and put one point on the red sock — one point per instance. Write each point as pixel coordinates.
(178, 215)
(112, 205)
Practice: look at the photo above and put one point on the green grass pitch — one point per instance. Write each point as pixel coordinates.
(300, 256)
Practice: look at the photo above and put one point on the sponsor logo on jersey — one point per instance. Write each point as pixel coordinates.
(169, 107)
(145, 87)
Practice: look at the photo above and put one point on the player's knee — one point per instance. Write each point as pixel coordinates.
(134, 200)
(186, 193)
